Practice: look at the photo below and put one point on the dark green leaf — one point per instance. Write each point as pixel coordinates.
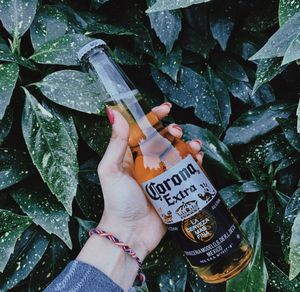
(98, 3)
(52, 150)
(11, 228)
(83, 230)
(215, 151)
(8, 56)
(232, 195)
(287, 9)
(222, 21)
(279, 280)
(95, 132)
(72, 89)
(290, 131)
(88, 170)
(254, 277)
(8, 78)
(49, 23)
(161, 5)
(266, 70)
(167, 25)
(5, 125)
(125, 57)
(170, 63)
(15, 166)
(295, 249)
(54, 260)
(293, 51)
(280, 40)
(110, 29)
(62, 50)
(298, 117)
(252, 187)
(28, 251)
(44, 210)
(257, 122)
(191, 90)
(287, 161)
(17, 15)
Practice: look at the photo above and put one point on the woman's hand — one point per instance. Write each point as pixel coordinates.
(127, 213)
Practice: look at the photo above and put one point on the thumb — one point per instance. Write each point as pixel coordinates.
(116, 149)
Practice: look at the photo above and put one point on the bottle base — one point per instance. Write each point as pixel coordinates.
(228, 272)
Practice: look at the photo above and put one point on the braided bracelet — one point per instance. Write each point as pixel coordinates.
(140, 275)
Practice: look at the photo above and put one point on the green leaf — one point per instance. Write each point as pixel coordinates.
(266, 70)
(295, 249)
(8, 56)
(280, 40)
(298, 117)
(232, 195)
(125, 57)
(8, 78)
(287, 9)
(15, 166)
(17, 15)
(88, 170)
(11, 228)
(44, 210)
(252, 187)
(166, 24)
(216, 152)
(51, 149)
(62, 50)
(289, 129)
(28, 251)
(95, 131)
(191, 90)
(84, 226)
(161, 5)
(49, 24)
(279, 280)
(5, 125)
(170, 63)
(109, 29)
(72, 89)
(254, 277)
(257, 122)
(222, 21)
(52, 263)
(293, 51)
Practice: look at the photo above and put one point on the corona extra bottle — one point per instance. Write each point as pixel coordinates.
(178, 188)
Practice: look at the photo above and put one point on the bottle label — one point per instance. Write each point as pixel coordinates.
(195, 213)
(180, 192)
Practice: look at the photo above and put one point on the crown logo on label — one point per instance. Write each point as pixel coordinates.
(187, 209)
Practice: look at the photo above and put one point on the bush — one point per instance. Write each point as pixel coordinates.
(230, 68)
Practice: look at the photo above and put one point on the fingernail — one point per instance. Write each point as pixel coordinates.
(110, 115)
(168, 104)
(201, 153)
(177, 127)
(198, 141)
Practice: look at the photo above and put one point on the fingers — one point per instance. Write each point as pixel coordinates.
(195, 149)
(162, 110)
(175, 130)
(116, 149)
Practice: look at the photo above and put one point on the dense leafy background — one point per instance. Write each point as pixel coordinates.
(231, 69)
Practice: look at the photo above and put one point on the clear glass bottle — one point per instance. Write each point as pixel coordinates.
(178, 188)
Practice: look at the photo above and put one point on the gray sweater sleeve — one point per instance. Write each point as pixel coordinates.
(78, 276)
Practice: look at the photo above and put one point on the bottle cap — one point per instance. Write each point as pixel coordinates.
(89, 46)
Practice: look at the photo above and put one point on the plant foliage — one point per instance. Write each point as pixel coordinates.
(230, 67)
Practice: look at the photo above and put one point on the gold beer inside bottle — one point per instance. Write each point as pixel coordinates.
(155, 151)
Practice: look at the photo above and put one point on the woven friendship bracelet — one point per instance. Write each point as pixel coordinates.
(140, 276)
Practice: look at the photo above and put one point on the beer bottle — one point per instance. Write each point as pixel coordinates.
(178, 188)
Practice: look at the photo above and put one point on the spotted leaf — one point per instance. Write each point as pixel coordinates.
(72, 89)
(295, 249)
(191, 90)
(232, 195)
(257, 122)
(84, 226)
(49, 24)
(290, 131)
(62, 50)
(44, 210)
(162, 5)
(216, 152)
(166, 24)
(110, 29)
(11, 227)
(15, 166)
(54, 260)
(293, 51)
(5, 125)
(8, 78)
(254, 277)
(17, 15)
(287, 9)
(125, 57)
(28, 251)
(52, 150)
